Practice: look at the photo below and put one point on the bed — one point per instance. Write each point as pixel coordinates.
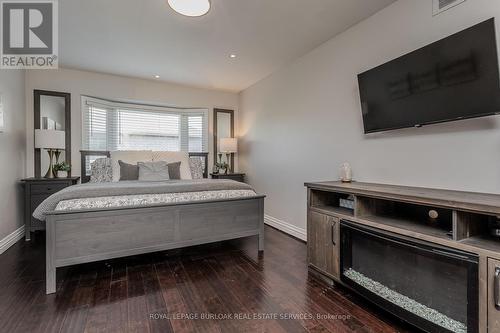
(100, 231)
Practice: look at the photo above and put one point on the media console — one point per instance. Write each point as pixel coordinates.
(425, 255)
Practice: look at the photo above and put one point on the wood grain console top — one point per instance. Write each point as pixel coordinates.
(469, 201)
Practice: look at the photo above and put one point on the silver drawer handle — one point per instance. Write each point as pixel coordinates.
(496, 288)
(333, 233)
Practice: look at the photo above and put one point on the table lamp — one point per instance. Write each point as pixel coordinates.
(228, 146)
(52, 141)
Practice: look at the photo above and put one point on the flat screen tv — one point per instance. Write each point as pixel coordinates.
(454, 78)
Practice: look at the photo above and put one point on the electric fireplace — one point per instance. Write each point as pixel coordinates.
(432, 287)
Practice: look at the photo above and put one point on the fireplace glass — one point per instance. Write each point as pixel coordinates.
(431, 287)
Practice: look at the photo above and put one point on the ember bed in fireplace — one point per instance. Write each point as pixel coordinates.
(432, 287)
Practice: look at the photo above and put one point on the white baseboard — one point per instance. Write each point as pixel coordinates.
(11, 239)
(286, 227)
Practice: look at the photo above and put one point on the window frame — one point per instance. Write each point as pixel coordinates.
(184, 114)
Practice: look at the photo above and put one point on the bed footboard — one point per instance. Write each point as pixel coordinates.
(87, 236)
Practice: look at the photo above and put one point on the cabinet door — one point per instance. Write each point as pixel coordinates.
(323, 243)
(493, 296)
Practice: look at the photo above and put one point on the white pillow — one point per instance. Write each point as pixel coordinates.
(175, 156)
(128, 156)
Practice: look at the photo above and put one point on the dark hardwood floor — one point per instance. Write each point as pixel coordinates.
(221, 287)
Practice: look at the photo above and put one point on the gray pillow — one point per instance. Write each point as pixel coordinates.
(128, 171)
(174, 170)
(153, 171)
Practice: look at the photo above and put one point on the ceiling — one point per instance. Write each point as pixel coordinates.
(143, 38)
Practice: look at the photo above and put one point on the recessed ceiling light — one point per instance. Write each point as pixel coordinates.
(232, 56)
(190, 8)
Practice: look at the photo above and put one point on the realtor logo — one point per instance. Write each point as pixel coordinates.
(29, 36)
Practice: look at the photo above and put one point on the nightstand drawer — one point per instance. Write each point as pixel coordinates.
(236, 177)
(47, 188)
(239, 177)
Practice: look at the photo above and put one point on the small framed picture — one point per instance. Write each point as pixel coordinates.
(48, 123)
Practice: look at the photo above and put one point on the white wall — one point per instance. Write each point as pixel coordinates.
(114, 87)
(12, 151)
(302, 122)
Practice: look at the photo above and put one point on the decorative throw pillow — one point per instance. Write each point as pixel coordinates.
(196, 166)
(175, 156)
(128, 171)
(174, 170)
(153, 171)
(101, 171)
(128, 156)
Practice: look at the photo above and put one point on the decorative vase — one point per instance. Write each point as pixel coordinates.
(346, 173)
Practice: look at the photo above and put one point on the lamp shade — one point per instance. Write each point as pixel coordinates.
(228, 145)
(50, 139)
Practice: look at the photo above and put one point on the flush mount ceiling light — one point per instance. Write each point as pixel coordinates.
(191, 8)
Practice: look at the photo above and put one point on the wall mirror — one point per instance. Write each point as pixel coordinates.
(52, 113)
(223, 128)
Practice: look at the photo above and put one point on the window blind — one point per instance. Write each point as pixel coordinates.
(113, 126)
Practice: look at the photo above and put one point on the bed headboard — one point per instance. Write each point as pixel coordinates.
(88, 155)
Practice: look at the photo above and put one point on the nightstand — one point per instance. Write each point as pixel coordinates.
(239, 177)
(35, 191)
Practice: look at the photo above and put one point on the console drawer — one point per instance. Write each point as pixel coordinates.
(323, 243)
